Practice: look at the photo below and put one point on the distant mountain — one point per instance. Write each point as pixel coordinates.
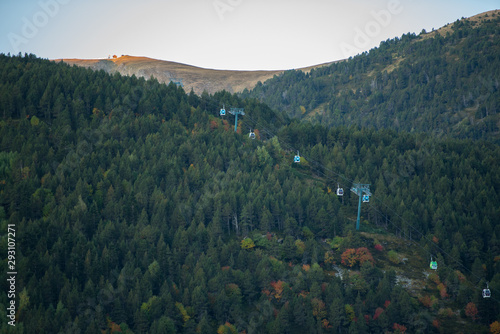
(445, 82)
(191, 77)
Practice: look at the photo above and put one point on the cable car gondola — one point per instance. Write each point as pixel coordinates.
(223, 110)
(486, 292)
(433, 265)
(251, 135)
(297, 157)
(366, 198)
(340, 191)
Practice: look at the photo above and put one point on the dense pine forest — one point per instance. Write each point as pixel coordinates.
(445, 83)
(138, 209)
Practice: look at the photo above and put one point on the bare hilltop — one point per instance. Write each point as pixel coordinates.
(192, 77)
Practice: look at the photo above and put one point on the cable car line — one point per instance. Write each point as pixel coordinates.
(433, 264)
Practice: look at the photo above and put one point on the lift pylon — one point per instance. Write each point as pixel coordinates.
(360, 189)
(236, 112)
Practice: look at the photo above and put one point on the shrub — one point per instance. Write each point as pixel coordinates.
(336, 242)
(393, 256)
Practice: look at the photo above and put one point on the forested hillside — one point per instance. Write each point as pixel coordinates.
(138, 209)
(443, 83)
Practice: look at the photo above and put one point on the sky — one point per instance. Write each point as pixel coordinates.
(220, 34)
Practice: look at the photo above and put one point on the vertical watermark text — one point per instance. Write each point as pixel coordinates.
(11, 273)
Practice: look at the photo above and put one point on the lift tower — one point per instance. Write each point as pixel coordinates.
(236, 112)
(359, 189)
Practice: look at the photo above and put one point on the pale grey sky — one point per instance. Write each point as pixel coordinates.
(220, 34)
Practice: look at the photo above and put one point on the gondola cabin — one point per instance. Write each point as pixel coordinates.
(486, 292)
(433, 265)
(223, 112)
(296, 159)
(340, 191)
(366, 198)
(251, 135)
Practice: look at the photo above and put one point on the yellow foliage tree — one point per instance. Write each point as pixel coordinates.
(349, 311)
(185, 315)
(318, 308)
(247, 243)
(329, 258)
(227, 328)
(495, 327)
(301, 246)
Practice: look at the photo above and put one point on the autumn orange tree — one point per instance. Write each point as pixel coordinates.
(471, 311)
(349, 257)
(352, 256)
(364, 255)
(378, 312)
(278, 289)
(399, 328)
(427, 301)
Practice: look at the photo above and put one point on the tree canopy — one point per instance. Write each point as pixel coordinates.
(137, 208)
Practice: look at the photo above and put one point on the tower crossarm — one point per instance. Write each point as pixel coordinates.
(239, 111)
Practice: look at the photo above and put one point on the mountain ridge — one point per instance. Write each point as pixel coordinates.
(198, 79)
(444, 82)
(201, 79)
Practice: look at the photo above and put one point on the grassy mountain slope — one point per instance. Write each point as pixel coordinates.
(444, 82)
(196, 78)
(138, 209)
